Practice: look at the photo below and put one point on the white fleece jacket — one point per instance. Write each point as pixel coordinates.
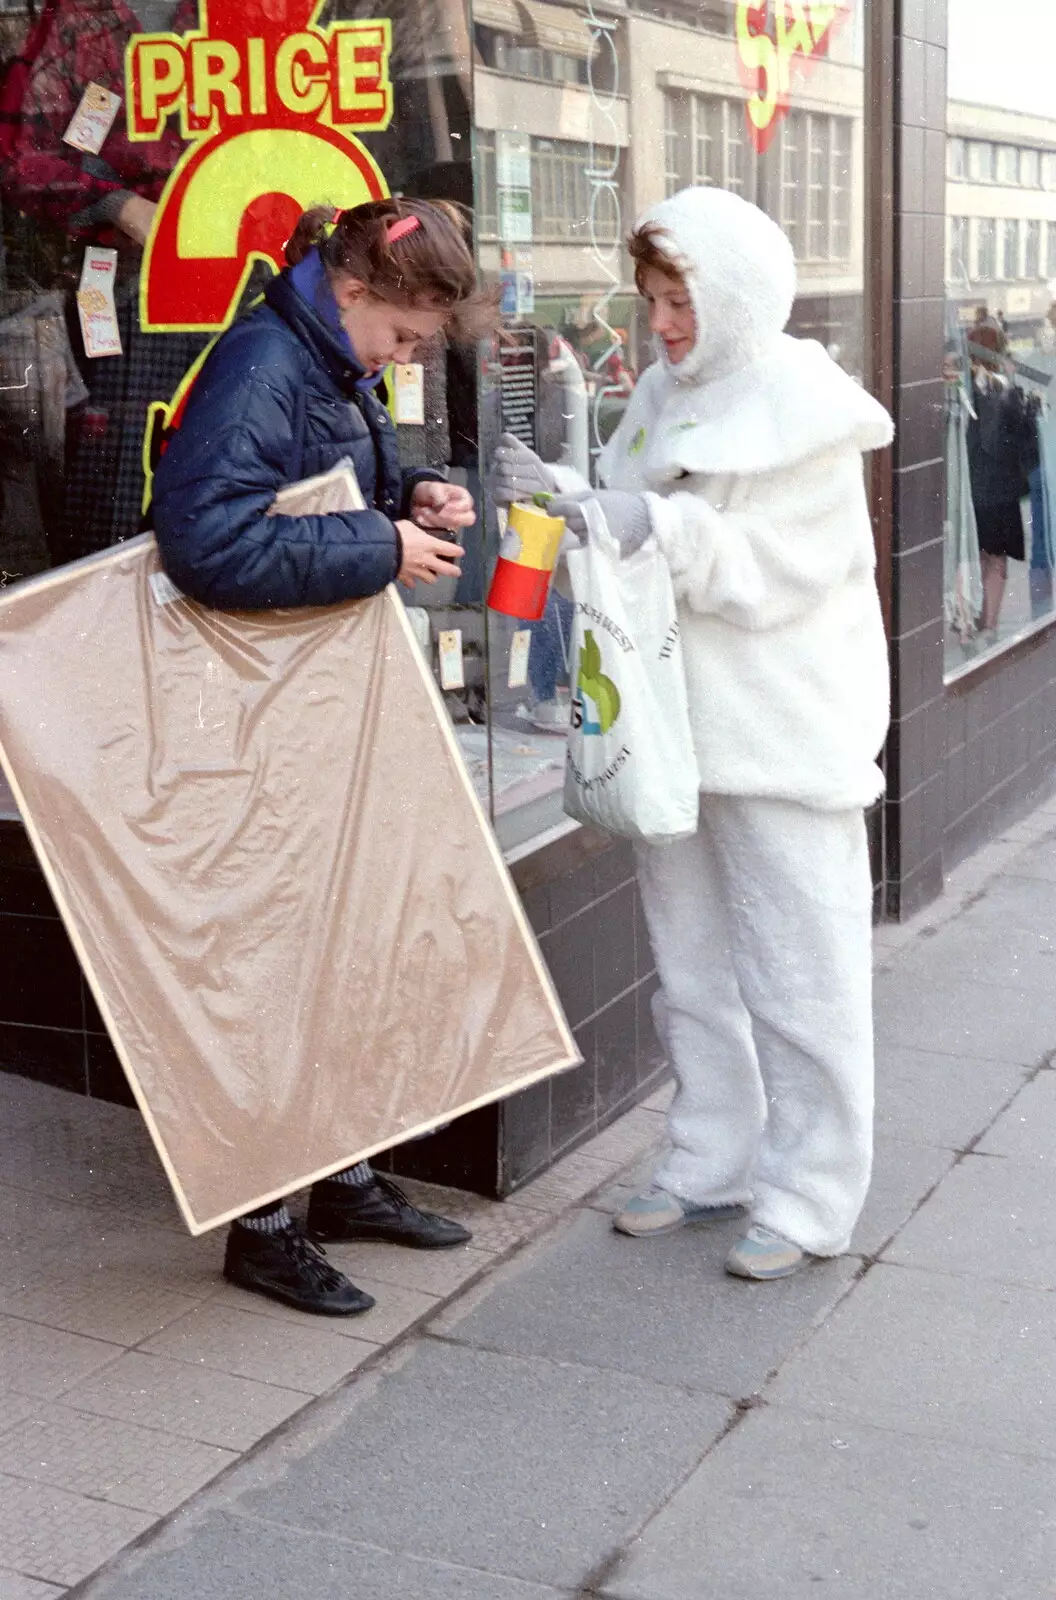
(749, 453)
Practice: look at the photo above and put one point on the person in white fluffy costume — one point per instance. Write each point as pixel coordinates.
(741, 453)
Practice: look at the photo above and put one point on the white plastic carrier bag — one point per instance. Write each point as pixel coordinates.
(630, 766)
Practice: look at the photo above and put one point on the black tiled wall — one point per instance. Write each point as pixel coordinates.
(1000, 744)
(915, 752)
(49, 1026)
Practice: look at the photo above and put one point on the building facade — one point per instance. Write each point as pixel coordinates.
(908, 157)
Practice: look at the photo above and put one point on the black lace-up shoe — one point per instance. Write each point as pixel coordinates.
(287, 1266)
(378, 1210)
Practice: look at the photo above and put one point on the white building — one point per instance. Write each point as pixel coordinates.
(1001, 210)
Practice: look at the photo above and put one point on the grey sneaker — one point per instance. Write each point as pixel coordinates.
(763, 1254)
(656, 1212)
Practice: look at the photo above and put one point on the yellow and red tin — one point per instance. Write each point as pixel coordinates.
(527, 557)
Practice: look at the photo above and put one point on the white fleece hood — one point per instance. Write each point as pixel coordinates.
(747, 398)
(740, 272)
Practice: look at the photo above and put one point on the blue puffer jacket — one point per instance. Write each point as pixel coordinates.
(277, 401)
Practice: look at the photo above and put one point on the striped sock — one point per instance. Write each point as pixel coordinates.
(360, 1175)
(269, 1219)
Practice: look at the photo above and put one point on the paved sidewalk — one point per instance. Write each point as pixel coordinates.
(586, 1415)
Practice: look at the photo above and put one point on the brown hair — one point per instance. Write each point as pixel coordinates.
(430, 264)
(646, 253)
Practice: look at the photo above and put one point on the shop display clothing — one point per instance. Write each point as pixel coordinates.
(761, 930)
(316, 408)
(79, 196)
(962, 573)
(1002, 453)
(81, 42)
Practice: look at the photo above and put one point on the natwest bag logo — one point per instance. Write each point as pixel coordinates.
(774, 39)
(596, 703)
(273, 104)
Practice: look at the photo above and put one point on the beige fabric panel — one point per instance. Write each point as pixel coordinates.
(286, 898)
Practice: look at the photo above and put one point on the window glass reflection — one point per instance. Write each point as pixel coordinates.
(584, 117)
(1000, 328)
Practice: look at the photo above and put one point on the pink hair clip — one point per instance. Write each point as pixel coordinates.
(400, 230)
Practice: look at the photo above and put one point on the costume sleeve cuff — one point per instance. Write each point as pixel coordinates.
(688, 531)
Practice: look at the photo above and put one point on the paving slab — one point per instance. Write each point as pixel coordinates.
(1027, 1130)
(960, 1018)
(903, 1174)
(120, 1307)
(23, 1102)
(517, 1466)
(192, 1402)
(791, 1507)
(991, 1218)
(926, 1097)
(659, 1308)
(45, 1361)
(137, 1467)
(934, 1356)
(14, 1586)
(58, 1537)
(95, 1153)
(225, 1557)
(1039, 863)
(1008, 938)
(227, 1339)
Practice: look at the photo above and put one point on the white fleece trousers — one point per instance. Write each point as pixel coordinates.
(761, 926)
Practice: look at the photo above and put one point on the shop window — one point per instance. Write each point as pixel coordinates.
(960, 243)
(1030, 169)
(506, 53)
(981, 161)
(560, 172)
(564, 202)
(705, 141)
(1008, 163)
(1000, 369)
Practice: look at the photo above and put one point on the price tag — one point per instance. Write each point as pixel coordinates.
(452, 672)
(92, 120)
(409, 397)
(95, 304)
(520, 645)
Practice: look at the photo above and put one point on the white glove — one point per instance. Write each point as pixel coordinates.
(626, 514)
(517, 473)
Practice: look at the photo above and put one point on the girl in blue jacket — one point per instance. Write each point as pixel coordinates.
(287, 393)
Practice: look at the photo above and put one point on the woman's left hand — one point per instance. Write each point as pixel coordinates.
(442, 505)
